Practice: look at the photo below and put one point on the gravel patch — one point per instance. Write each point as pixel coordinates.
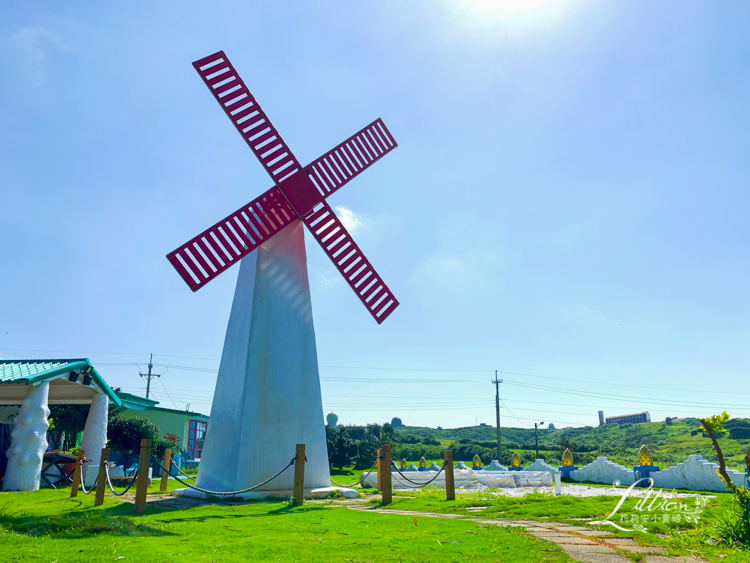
(579, 491)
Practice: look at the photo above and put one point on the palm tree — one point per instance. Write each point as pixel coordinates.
(565, 443)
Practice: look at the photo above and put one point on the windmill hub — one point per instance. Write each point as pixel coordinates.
(300, 192)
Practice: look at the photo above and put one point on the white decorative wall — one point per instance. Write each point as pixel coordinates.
(604, 471)
(695, 474)
(541, 465)
(28, 441)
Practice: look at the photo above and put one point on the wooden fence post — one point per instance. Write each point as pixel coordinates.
(77, 474)
(386, 480)
(450, 485)
(101, 480)
(299, 475)
(377, 468)
(141, 485)
(165, 474)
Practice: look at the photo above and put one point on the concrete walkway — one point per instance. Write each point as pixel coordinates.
(581, 543)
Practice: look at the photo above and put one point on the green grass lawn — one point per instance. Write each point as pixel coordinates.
(48, 526)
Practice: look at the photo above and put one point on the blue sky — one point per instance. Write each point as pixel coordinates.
(568, 202)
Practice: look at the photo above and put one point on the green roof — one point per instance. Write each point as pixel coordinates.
(13, 370)
(150, 405)
(142, 401)
(175, 411)
(31, 372)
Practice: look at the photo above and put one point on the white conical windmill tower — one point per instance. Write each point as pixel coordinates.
(267, 395)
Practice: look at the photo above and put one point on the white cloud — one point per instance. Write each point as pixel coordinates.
(329, 281)
(33, 43)
(352, 221)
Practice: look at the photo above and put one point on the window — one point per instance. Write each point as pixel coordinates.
(196, 435)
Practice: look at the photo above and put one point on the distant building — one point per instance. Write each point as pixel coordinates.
(483, 424)
(332, 419)
(601, 418)
(396, 422)
(189, 428)
(551, 426)
(635, 418)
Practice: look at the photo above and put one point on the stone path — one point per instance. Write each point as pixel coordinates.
(581, 543)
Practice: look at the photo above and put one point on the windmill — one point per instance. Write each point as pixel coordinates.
(267, 395)
(298, 193)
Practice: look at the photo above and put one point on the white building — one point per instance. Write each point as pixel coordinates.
(634, 418)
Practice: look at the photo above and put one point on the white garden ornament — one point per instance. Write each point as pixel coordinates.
(28, 441)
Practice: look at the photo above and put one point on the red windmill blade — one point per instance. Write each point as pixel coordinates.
(245, 113)
(340, 247)
(217, 248)
(299, 193)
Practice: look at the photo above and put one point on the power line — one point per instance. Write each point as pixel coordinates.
(618, 397)
(665, 403)
(428, 370)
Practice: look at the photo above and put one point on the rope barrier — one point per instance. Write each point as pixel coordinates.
(109, 481)
(406, 484)
(224, 493)
(181, 471)
(361, 478)
(82, 480)
(418, 485)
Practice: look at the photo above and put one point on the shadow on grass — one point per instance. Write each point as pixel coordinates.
(78, 524)
(288, 508)
(78, 519)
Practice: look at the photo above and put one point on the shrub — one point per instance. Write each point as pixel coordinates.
(739, 433)
(125, 435)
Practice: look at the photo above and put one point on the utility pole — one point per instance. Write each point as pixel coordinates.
(148, 375)
(497, 383)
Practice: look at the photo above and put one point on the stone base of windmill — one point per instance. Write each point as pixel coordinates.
(322, 492)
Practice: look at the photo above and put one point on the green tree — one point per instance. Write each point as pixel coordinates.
(736, 530)
(565, 443)
(367, 450)
(125, 435)
(388, 433)
(69, 420)
(341, 449)
(375, 429)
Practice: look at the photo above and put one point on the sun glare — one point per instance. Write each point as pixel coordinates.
(513, 13)
(503, 7)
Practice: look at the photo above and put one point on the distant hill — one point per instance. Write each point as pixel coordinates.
(669, 441)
